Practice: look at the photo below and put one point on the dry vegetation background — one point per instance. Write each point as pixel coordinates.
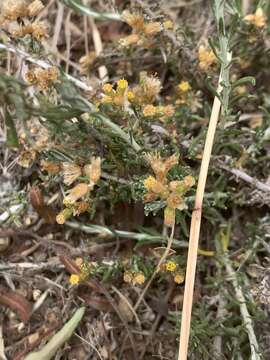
(104, 109)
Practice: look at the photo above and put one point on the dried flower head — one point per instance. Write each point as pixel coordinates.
(176, 201)
(161, 166)
(206, 57)
(50, 167)
(71, 172)
(76, 193)
(35, 8)
(138, 278)
(14, 9)
(169, 216)
(179, 278)
(167, 110)
(258, 19)
(64, 215)
(80, 207)
(129, 40)
(152, 28)
(87, 61)
(93, 170)
(26, 158)
(150, 86)
(37, 30)
(136, 20)
(128, 277)
(43, 78)
(149, 110)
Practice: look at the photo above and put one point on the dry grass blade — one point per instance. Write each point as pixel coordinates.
(195, 231)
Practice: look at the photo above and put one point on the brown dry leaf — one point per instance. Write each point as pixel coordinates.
(17, 303)
(125, 310)
(43, 210)
(96, 302)
(256, 121)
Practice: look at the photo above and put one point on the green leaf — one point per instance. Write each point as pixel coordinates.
(12, 137)
(50, 349)
(244, 80)
(78, 6)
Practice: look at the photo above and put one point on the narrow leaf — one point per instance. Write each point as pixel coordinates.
(78, 6)
(12, 137)
(50, 349)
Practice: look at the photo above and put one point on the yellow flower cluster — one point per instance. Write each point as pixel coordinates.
(258, 19)
(144, 94)
(159, 187)
(43, 78)
(143, 32)
(74, 201)
(119, 97)
(134, 277)
(162, 111)
(206, 57)
(172, 267)
(85, 271)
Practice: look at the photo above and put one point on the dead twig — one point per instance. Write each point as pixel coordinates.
(247, 178)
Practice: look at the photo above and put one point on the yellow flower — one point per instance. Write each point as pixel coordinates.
(149, 182)
(179, 278)
(149, 110)
(206, 57)
(184, 86)
(171, 266)
(122, 84)
(128, 277)
(74, 279)
(168, 25)
(138, 278)
(130, 95)
(258, 19)
(107, 88)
